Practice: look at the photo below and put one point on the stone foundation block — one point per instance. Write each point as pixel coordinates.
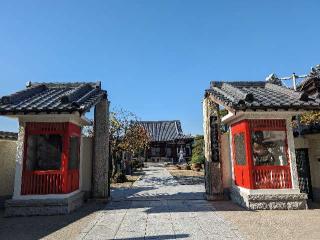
(269, 201)
(42, 207)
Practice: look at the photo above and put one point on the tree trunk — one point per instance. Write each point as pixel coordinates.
(114, 164)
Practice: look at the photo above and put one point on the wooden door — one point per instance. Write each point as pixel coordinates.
(303, 168)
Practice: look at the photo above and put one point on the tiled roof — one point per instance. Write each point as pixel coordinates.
(162, 131)
(53, 98)
(260, 95)
(311, 84)
(313, 74)
(8, 135)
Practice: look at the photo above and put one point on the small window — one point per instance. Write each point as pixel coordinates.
(74, 153)
(240, 149)
(44, 152)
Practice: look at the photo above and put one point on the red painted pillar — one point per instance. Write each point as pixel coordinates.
(65, 159)
(249, 154)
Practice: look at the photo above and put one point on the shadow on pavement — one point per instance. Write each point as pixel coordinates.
(36, 227)
(189, 180)
(160, 237)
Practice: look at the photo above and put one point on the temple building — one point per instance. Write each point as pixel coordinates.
(168, 142)
(258, 162)
(55, 164)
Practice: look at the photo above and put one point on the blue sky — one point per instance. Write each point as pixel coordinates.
(155, 58)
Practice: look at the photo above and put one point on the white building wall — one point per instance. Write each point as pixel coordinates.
(8, 150)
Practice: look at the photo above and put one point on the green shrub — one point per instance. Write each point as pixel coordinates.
(198, 159)
(198, 150)
(119, 177)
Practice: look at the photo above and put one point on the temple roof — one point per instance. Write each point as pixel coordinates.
(8, 135)
(260, 95)
(163, 131)
(53, 98)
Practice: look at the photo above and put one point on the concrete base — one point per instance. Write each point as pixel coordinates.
(42, 207)
(3, 199)
(269, 199)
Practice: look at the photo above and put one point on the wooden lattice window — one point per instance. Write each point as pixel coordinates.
(44, 152)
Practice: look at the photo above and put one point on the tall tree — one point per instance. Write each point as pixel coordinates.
(198, 150)
(126, 135)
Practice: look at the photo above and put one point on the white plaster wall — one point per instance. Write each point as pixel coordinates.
(226, 161)
(7, 166)
(292, 155)
(301, 142)
(86, 164)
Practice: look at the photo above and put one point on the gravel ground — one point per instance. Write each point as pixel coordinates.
(186, 177)
(277, 224)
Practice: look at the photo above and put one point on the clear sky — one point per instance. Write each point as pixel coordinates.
(155, 57)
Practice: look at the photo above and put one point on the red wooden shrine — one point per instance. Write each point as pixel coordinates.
(251, 174)
(51, 158)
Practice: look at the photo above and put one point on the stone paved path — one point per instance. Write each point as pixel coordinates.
(157, 207)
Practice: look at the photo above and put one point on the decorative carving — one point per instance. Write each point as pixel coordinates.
(273, 78)
(315, 72)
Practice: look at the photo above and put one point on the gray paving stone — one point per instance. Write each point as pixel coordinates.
(158, 207)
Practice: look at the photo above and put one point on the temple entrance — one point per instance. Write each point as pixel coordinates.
(303, 168)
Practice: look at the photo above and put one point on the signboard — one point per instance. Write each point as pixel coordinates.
(214, 134)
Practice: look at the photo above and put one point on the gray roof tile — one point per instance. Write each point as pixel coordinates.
(260, 95)
(162, 131)
(52, 98)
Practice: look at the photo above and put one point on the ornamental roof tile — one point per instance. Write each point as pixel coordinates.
(53, 98)
(260, 95)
